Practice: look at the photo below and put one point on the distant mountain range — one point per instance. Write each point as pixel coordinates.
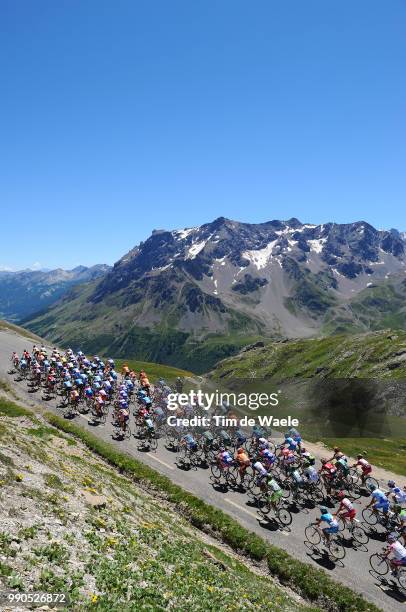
(189, 297)
(26, 292)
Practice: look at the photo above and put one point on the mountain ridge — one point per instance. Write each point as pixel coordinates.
(232, 280)
(24, 292)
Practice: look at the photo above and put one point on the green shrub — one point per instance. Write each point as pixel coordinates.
(11, 409)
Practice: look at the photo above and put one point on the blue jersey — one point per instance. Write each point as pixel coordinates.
(329, 519)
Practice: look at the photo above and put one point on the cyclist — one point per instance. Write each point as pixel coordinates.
(267, 457)
(288, 458)
(179, 385)
(99, 406)
(332, 524)
(399, 497)
(224, 459)
(398, 551)
(379, 500)
(274, 492)
(123, 416)
(189, 441)
(310, 472)
(391, 485)
(261, 471)
(243, 461)
(297, 480)
(240, 437)
(305, 455)
(366, 468)
(346, 508)
(291, 443)
(74, 398)
(328, 472)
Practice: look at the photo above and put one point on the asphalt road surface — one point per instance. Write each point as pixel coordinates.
(354, 571)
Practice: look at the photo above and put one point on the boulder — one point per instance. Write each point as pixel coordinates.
(95, 501)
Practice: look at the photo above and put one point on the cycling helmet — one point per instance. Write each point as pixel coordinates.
(360, 456)
(341, 495)
(372, 487)
(303, 449)
(391, 483)
(240, 451)
(323, 510)
(336, 449)
(392, 537)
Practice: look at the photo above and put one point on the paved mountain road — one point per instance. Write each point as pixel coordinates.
(353, 572)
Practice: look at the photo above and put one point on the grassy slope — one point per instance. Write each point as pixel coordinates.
(108, 328)
(361, 356)
(134, 545)
(5, 325)
(154, 370)
(372, 309)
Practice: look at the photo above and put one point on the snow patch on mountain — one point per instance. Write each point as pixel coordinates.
(317, 245)
(195, 249)
(259, 258)
(182, 234)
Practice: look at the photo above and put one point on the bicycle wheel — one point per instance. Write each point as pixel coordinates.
(272, 447)
(286, 489)
(153, 444)
(378, 564)
(354, 477)
(254, 490)
(216, 471)
(369, 516)
(341, 523)
(402, 579)
(231, 478)
(265, 507)
(371, 481)
(316, 492)
(353, 492)
(360, 535)
(313, 535)
(284, 516)
(336, 550)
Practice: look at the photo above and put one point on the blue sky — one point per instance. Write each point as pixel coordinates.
(120, 117)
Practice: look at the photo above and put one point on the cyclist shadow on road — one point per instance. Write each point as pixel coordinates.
(351, 544)
(389, 587)
(374, 534)
(321, 557)
(47, 398)
(219, 486)
(271, 524)
(297, 508)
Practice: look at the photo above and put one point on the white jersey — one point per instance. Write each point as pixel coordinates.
(311, 474)
(258, 467)
(400, 498)
(399, 551)
(347, 504)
